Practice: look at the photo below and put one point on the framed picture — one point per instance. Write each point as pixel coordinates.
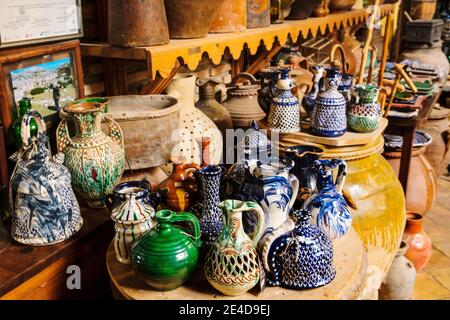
(49, 75)
(24, 21)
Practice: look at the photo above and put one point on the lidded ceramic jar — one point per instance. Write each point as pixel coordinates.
(165, 257)
(132, 208)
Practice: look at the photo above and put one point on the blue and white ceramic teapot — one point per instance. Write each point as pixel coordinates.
(43, 204)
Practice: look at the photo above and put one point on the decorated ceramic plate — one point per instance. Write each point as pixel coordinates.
(393, 141)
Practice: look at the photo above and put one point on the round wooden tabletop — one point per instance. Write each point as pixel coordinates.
(349, 259)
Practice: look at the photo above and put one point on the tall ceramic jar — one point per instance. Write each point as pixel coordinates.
(232, 17)
(94, 159)
(329, 115)
(43, 204)
(419, 242)
(165, 257)
(232, 264)
(401, 278)
(133, 23)
(194, 124)
(132, 208)
(258, 13)
(377, 205)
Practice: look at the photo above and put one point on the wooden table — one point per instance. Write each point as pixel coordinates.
(28, 272)
(406, 127)
(349, 259)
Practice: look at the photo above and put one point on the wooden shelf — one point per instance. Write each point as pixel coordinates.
(162, 59)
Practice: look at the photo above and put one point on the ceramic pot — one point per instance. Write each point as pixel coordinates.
(94, 159)
(232, 264)
(300, 257)
(310, 99)
(258, 13)
(132, 208)
(273, 188)
(303, 78)
(376, 202)
(279, 9)
(284, 115)
(329, 208)
(269, 89)
(43, 204)
(165, 257)
(301, 10)
(422, 184)
(401, 278)
(438, 127)
(232, 17)
(329, 115)
(24, 107)
(364, 114)
(341, 5)
(305, 170)
(194, 124)
(147, 122)
(419, 243)
(133, 23)
(188, 19)
(207, 210)
(323, 9)
(178, 191)
(208, 104)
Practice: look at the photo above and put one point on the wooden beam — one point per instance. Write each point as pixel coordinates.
(387, 40)
(263, 59)
(160, 84)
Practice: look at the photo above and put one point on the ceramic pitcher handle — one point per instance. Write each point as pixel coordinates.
(295, 183)
(115, 132)
(189, 217)
(261, 226)
(62, 136)
(25, 126)
(340, 178)
(244, 75)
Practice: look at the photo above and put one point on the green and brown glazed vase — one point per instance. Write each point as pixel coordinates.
(94, 159)
(165, 256)
(365, 114)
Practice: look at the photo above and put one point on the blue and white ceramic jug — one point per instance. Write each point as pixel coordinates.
(328, 117)
(329, 208)
(43, 204)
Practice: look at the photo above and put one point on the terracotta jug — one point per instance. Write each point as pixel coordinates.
(194, 123)
(232, 17)
(242, 102)
(422, 184)
(401, 278)
(419, 243)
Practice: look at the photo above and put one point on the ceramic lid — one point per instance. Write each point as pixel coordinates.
(254, 139)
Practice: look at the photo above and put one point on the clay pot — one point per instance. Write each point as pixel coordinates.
(191, 19)
(133, 23)
(341, 5)
(423, 9)
(438, 127)
(400, 280)
(232, 17)
(322, 10)
(419, 243)
(301, 10)
(258, 13)
(422, 184)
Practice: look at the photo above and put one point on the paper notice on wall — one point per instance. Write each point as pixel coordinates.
(25, 20)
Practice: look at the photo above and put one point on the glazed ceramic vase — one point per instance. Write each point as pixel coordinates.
(132, 208)
(208, 211)
(329, 115)
(364, 114)
(419, 243)
(231, 17)
(24, 107)
(284, 115)
(165, 257)
(242, 101)
(178, 191)
(298, 256)
(329, 208)
(309, 100)
(94, 159)
(273, 188)
(232, 264)
(190, 20)
(305, 170)
(43, 205)
(194, 124)
(258, 13)
(401, 278)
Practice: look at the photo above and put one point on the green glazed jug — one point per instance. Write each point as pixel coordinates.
(165, 256)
